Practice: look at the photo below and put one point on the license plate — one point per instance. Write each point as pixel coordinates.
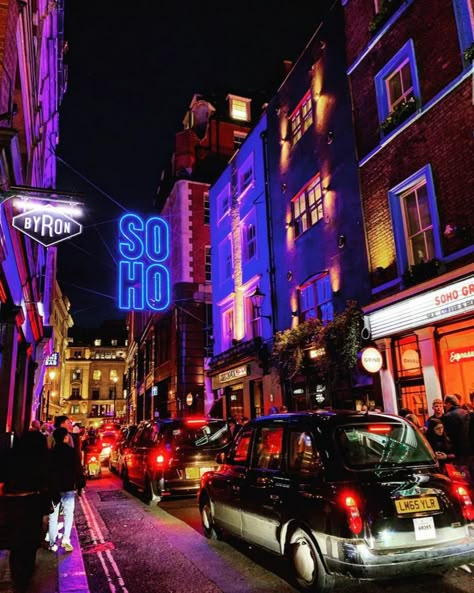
(192, 473)
(93, 468)
(417, 505)
(203, 470)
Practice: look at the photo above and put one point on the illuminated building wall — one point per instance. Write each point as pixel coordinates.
(413, 117)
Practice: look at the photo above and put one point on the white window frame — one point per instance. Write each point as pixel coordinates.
(302, 118)
(223, 202)
(307, 206)
(316, 299)
(246, 175)
(239, 108)
(405, 55)
(396, 195)
(227, 328)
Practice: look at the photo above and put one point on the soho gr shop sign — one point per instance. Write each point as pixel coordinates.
(436, 305)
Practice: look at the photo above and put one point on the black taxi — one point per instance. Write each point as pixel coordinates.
(339, 493)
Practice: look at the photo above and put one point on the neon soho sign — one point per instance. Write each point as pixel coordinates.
(143, 279)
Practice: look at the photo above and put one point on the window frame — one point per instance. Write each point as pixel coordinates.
(406, 53)
(239, 108)
(322, 308)
(301, 118)
(306, 204)
(398, 222)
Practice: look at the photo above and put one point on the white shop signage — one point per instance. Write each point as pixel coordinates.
(233, 374)
(436, 305)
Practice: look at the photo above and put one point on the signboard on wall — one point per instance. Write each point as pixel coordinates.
(433, 306)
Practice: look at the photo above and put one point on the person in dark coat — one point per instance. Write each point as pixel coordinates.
(65, 478)
(456, 424)
(439, 441)
(24, 502)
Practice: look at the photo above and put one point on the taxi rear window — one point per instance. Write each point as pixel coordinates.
(213, 434)
(379, 445)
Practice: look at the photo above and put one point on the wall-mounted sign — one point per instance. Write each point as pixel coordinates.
(143, 278)
(233, 374)
(410, 360)
(461, 355)
(154, 390)
(47, 225)
(371, 359)
(451, 300)
(52, 360)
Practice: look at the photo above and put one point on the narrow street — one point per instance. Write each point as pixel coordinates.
(129, 547)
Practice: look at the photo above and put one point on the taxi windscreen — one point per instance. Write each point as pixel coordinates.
(212, 434)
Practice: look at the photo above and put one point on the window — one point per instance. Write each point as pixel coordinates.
(415, 220)
(113, 342)
(308, 206)
(225, 260)
(77, 354)
(207, 264)
(301, 119)
(227, 328)
(223, 202)
(303, 455)
(75, 393)
(75, 409)
(97, 342)
(250, 241)
(113, 392)
(207, 216)
(96, 375)
(95, 394)
(239, 138)
(239, 107)
(113, 375)
(246, 175)
(76, 375)
(240, 448)
(268, 448)
(397, 82)
(316, 299)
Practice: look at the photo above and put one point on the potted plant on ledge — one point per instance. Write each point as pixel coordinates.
(401, 112)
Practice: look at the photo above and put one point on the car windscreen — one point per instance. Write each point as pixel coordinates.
(208, 435)
(375, 445)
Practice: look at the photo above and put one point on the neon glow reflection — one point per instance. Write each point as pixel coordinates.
(143, 278)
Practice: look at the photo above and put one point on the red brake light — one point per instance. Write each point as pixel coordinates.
(161, 459)
(353, 515)
(93, 458)
(380, 428)
(466, 502)
(196, 421)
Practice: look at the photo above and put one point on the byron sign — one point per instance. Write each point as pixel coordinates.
(47, 225)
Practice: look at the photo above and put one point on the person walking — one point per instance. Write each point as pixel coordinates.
(439, 441)
(24, 502)
(65, 478)
(438, 411)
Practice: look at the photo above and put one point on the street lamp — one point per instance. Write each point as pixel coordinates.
(257, 300)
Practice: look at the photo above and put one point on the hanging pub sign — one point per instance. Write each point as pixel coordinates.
(370, 359)
(46, 221)
(143, 275)
(52, 360)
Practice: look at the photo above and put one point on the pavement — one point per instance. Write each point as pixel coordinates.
(60, 572)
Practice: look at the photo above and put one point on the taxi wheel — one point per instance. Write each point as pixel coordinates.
(207, 520)
(307, 567)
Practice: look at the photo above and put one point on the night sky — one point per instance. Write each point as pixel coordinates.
(133, 70)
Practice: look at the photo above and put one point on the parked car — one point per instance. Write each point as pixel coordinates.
(339, 493)
(116, 457)
(107, 440)
(168, 456)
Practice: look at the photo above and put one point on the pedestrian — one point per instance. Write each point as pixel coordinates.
(409, 415)
(439, 441)
(456, 424)
(65, 479)
(73, 438)
(24, 502)
(283, 409)
(438, 411)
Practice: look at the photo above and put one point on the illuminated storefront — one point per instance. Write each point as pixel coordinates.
(428, 339)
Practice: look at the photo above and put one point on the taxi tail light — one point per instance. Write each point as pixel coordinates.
(162, 459)
(353, 514)
(466, 502)
(196, 421)
(92, 459)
